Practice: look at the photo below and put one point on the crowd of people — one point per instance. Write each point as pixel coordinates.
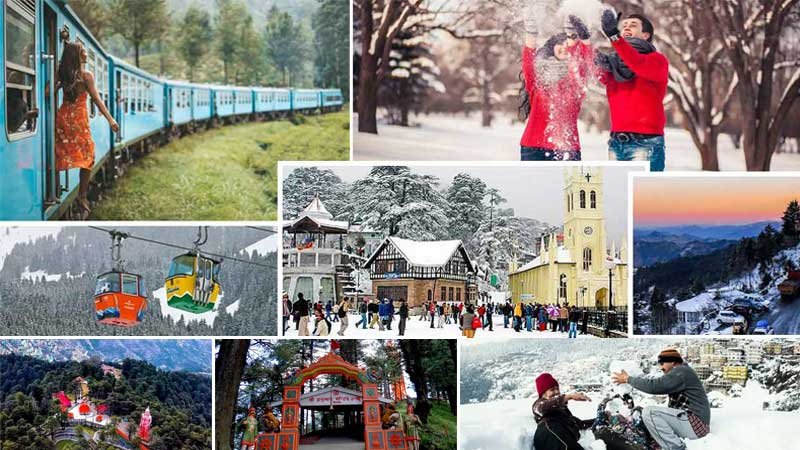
(382, 314)
(373, 313)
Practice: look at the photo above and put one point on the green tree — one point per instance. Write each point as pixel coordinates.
(196, 36)
(140, 22)
(230, 20)
(286, 44)
(332, 45)
(791, 219)
(95, 15)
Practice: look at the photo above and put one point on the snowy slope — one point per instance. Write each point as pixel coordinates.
(509, 425)
(263, 247)
(11, 236)
(441, 137)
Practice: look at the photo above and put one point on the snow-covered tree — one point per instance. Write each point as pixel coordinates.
(465, 205)
(400, 203)
(304, 183)
(414, 74)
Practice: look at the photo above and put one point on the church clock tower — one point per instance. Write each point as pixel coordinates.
(584, 224)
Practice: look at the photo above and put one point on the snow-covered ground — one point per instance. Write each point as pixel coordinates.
(445, 137)
(36, 275)
(415, 328)
(11, 236)
(738, 424)
(500, 331)
(263, 247)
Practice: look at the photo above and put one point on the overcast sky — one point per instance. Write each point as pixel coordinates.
(533, 192)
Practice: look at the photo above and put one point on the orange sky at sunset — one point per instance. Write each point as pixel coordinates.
(711, 201)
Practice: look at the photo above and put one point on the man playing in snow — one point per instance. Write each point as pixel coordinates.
(687, 415)
(557, 428)
(636, 83)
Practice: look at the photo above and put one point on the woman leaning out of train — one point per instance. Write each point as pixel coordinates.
(74, 146)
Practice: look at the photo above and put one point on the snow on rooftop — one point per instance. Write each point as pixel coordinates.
(698, 303)
(316, 209)
(426, 253)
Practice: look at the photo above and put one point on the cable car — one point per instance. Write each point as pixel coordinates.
(192, 284)
(120, 299)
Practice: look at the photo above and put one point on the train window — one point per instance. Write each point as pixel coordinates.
(20, 51)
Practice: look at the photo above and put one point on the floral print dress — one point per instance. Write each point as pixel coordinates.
(74, 145)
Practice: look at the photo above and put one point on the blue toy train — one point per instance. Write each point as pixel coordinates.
(148, 109)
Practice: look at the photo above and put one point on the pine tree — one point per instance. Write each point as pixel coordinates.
(332, 45)
(465, 205)
(287, 45)
(413, 76)
(791, 220)
(304, 183)
(400, 203)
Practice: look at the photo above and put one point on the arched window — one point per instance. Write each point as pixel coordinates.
(593, 199)
(562, 286)
(430, 295)
(568, 208)
(587, 259)
(583, 199)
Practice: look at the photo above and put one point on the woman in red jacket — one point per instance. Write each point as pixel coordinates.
(556, 75)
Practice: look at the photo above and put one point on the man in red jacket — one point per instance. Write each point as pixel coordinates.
(635, 77)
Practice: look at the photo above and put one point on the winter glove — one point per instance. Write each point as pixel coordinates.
(608, 22)
(530, 22)
(576, 25)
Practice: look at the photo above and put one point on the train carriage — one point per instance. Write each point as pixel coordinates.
(271, 101)
(331, 99)
(305, 100)
(223, 101)
(243, 101)
(146, 108)
(180, 103)
(33, 188)
(139, 107)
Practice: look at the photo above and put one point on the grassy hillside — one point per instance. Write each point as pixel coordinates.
(228, 173)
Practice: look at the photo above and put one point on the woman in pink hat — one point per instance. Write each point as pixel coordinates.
(558, 428)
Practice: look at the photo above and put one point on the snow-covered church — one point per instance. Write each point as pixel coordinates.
(576, 267)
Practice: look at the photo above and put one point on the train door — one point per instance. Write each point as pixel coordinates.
(52, 185)
(122, 105)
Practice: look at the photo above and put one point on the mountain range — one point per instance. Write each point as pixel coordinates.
(653, 245)
(190, 355)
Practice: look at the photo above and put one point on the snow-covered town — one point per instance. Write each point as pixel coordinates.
(733, 270)
(427, 247)
(751, 384)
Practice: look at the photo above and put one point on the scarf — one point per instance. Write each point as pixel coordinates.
(550, 70)
(614, 64)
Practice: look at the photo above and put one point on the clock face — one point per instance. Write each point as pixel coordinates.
(588, 231)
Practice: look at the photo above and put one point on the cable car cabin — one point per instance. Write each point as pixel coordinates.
(193, 283)
(120, 299)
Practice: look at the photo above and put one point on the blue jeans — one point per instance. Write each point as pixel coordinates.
(528, 323)
(362, 321)
(546, 154)
(573, 330)
(649, 149)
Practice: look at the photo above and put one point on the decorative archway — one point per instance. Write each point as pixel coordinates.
(601, 298)
(375, 438)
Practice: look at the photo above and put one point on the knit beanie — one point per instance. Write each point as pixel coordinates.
(669, 355)
(544, 382)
